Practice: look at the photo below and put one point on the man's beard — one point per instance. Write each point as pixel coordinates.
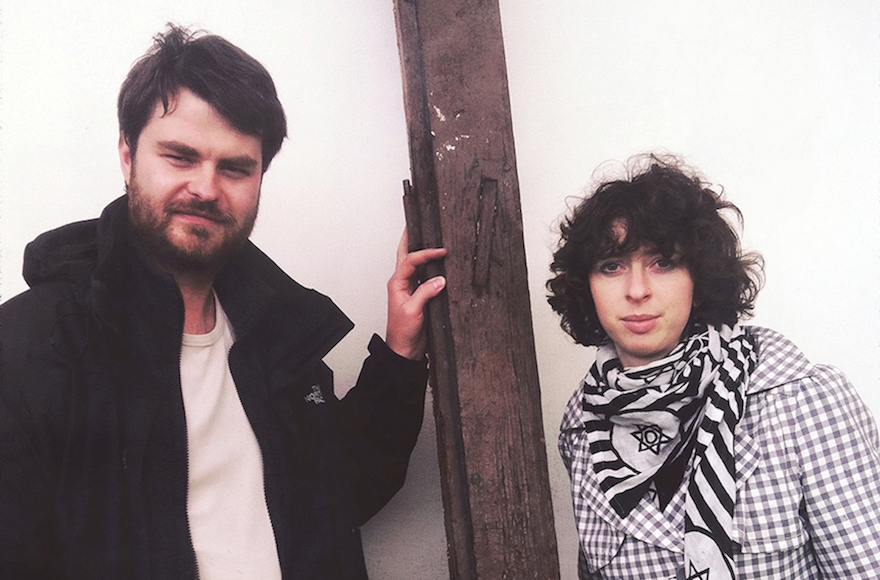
(204, 251)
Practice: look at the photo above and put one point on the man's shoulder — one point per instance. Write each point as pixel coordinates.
(54, 261)
(41, 330)
(57, 267)
(256, 274)
(63, 252)
(255, 290)
(33, 319)
(36, 303)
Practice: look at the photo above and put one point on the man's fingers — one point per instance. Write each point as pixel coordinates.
(405, 333)
(420, 257)
(409, 262)
(427, 290)
(412, 260)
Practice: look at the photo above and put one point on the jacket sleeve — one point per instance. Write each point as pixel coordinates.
(379, 421)
(840, 462)
(25, 524)
(26, 502)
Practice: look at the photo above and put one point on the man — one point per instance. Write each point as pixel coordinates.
(164, 411)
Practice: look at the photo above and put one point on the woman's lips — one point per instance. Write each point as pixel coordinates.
(640, 323)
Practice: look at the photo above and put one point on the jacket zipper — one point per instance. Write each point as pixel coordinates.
(269, 514)
(192, 546)
(262, 463)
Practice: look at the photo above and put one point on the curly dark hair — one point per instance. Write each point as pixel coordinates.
(220, 73)
(668, 209)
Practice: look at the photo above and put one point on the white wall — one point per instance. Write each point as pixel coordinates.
(779, 102)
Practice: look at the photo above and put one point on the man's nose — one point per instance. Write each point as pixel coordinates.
(204, 183)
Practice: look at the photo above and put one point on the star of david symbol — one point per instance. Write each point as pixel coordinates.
(650, 438)
(698, 574)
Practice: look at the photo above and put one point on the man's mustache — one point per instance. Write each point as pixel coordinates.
(204, 209)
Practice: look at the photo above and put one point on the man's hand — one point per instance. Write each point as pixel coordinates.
(405, 333)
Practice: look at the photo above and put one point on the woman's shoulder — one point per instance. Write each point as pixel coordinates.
(780, 361)
(785, 377)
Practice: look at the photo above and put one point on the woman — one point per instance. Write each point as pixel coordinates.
(698, 448)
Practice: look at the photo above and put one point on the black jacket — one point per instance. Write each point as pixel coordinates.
(93, 458)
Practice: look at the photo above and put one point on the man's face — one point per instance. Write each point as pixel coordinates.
(193, 186)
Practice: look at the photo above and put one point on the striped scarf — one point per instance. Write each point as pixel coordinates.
(642, 419)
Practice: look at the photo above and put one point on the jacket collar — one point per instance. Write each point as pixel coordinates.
(141, 305)
(779, 361)
(290, 323)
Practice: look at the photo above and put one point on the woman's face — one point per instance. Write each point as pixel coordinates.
(644, 303)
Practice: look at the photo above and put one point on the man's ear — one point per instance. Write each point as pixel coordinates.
(125, 158)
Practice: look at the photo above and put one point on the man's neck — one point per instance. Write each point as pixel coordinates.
(198, 304)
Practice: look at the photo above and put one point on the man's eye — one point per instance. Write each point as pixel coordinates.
(236, 171)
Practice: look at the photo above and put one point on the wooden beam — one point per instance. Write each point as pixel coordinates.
(465, 197)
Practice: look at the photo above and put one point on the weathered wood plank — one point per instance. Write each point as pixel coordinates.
(496, 490)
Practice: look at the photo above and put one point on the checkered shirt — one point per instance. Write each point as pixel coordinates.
(807, 460)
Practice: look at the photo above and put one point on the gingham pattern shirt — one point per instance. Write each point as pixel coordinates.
(807, 459)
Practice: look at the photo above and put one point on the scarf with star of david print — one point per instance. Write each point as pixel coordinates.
(642, 419)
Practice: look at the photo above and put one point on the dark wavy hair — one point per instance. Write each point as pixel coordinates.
(220, 73)
(666, 208)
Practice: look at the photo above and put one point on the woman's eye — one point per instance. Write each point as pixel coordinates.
(609, 267)
(666, 263)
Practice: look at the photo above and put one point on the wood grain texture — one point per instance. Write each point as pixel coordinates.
(465, 197)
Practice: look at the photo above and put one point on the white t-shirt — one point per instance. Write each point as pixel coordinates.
(226, 505)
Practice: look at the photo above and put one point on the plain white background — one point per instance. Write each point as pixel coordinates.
(778, 102)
